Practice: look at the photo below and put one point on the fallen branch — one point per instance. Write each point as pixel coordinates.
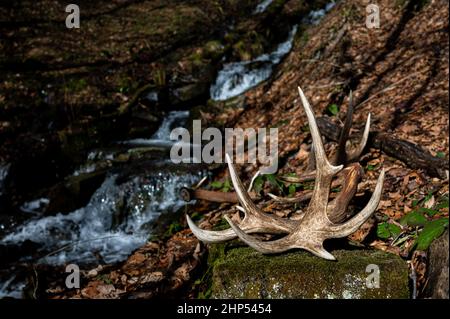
(125, 106)
(411, 154)
(188, 194)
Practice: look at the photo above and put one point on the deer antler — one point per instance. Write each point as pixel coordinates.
(321, 220)
(255, 221)
(342, 156)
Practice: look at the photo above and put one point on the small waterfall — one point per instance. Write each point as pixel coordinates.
(117, 219)
(112, 224)
(315, 16)
(161, 136)
(261, 7)
(12, 289)
(173, 119)
(4, 169)
(236, 78)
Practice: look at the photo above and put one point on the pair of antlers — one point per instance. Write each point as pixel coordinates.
(322, 219)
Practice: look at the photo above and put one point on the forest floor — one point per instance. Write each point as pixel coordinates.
(399, 73)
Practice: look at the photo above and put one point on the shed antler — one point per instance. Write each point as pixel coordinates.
(321, 219)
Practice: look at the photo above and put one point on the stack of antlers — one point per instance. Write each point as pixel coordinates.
(322, 219)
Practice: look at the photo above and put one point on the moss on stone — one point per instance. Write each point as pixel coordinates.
(214, 50)
(245, 273)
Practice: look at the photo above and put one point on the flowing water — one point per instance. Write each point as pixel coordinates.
(114, 222)
(161, 136)
(261, 7)
(315, 16)
(4, 169)
(117, 219)
(173, 119)
(237, 77)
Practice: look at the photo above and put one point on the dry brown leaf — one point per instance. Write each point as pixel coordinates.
(429, 203)
(152, 277)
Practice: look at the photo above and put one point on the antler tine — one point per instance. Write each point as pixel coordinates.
(254, 221)
(324, 170)
(337, 207)
(264, 247)
(347, 228)
(280, 245)
(323, 166)
(209, 236)
(353, 156)
(341, 155)
(268, 224)
(242, 195)
(250, 186)
(351, 177)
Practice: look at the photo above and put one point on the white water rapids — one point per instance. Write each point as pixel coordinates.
(237, 77)
(115, 220)
(261, 7)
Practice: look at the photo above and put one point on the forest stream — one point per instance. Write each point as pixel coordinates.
(86, 115)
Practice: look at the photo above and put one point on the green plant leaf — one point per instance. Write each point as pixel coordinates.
(196, 216)
(440, 154)
(414, 219)
(336, 190)
(443, 202)
(174, 228)
(273, 181)
(428, 197)
(428, 211)
(386, 230)
(258, 184)
(305, 128)
(292, 189)
(216, 184)
(430, 232)
(226, 186)
(333, 109)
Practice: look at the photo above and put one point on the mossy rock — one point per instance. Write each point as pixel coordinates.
(190, 92)
(214, 50)
(245, 273)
